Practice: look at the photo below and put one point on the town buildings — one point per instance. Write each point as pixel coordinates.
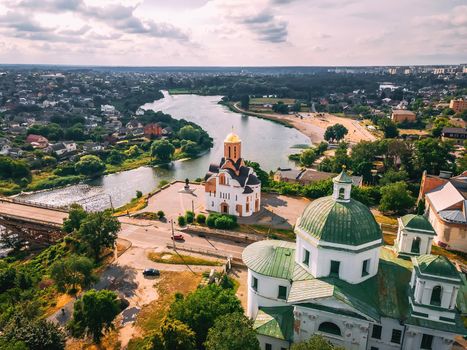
(339, 281)
(231, 186)
(446, 208)
(458, 105)
(459, 135)
(402, 115)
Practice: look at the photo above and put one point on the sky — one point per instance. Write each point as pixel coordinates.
(233, 32)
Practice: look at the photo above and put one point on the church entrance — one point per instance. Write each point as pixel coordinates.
(224, 208)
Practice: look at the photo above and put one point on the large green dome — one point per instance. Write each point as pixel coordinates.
(343, 222)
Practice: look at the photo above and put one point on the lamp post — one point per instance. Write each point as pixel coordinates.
(373, 173)
(173, 236)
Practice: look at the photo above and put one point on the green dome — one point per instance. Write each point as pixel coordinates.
(349, 223)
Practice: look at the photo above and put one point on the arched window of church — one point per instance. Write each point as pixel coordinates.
(235, 152)
(329, 327)
(436, 296)
(416, 245)
(222, 179)
(341, 193)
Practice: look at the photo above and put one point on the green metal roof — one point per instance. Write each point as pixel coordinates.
(276, 322)
(343, 177)
(435, 265)
(274, 258)
(348, 223)
(456, 328)
(417, 223)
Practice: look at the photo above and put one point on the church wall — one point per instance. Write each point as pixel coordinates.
(455, 235)
(413, 338)
(384, 343)
(276, 344)
(267, 292)
(354, 332)
(405, 239)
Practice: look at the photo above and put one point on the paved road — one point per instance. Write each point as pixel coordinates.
(33, 213)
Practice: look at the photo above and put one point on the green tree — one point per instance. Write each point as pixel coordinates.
(98, 231)
(75, 216)
(280, 107)
(94, 313)
(433, 155)
(392, 176)
(90, 165)
(388, 127)
(245, 102)
(307, 157)
(335, 132)
(172, 335)
(72, 272)
(188, 132)
(232, 332)
(115, 157)
(260, 173)
(396, 197)
(316, 342)
(190, 148)
(163, 150)
(35, 334)
(200, 309)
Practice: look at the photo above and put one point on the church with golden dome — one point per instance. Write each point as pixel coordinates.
(231, 187)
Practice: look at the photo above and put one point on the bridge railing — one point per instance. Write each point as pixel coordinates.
(34, 204)
(5, 217)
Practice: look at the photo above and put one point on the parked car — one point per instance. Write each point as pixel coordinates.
(178, 237)
(151, 272)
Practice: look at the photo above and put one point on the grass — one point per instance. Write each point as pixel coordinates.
(133, 206)
(183, 91)
(274, 233)
(151, 316)
(271, 100)
(129, 164)
(179, 259)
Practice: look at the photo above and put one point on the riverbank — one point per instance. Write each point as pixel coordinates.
(313, 125)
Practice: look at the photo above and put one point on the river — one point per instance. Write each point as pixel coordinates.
(263, 141)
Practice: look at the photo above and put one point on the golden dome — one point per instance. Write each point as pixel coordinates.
(232, 138)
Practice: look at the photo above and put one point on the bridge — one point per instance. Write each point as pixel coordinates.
(33, 223)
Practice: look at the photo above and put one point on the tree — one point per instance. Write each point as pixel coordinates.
(36, 334)
(98, 231)
(163, 150)
(90, 165)
(388, 127)
(280, 108)
(335, 132)
(316, 342)
(200, 309)
(392, 176)
(115, 157)
(172, 335)
(433, 155)
(307, 157)
(232, 332)
(94, 313)
(188, 132)
(72, 272)
(75, 216)
(396, 198)
(260, 173)
(245, 102)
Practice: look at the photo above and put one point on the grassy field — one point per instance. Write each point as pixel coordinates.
(271, 100)
(183, 91)
(178, 259)
(129, 164)
(151, 316)
(134, 205)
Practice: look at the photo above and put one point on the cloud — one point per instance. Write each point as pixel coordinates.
(21, 23)
(51, 5)
(267, 27)
(457, 17)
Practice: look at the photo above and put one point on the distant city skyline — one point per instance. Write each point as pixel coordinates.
(233, 32)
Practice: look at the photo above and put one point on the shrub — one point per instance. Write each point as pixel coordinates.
(190, 216)
(139, 194)
(201, 219)
(160, 214)
(211, 220)
(181, 221)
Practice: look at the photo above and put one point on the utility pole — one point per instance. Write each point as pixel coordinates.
(173, 236)
(193, 207)
(111, 204)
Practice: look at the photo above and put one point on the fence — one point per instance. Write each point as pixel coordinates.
(37, 205)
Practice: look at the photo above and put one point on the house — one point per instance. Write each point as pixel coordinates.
(58, 148)
(339, 281)
(446, 208)
(232, 187)
(137, 132)
(37, 141)
(402, 115)
(70, 146)
(5, 146)
(457, 134)
(92, 147)
(15, 152)
(152, 130)
(458, 105)
(133, 124)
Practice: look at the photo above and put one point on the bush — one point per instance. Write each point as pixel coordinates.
(181, 221)
(160, 214)
(139, 194)
(190, 216)
(221, 221)
(211, 220)
(201, 219)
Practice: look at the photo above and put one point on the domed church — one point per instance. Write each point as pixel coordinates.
(339, 281)
(231, 187)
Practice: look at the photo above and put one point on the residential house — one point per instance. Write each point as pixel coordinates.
(92, 147)
(458, 105)
(37, 141)
(446, 208)
(457, 134)
(152, 130)
(401, 115)
(133, 124)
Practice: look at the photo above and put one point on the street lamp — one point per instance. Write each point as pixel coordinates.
(373, 173)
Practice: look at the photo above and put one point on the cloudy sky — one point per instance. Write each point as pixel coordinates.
(233, 32)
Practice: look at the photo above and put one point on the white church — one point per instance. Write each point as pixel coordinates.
(231, 187)
(339, 281)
